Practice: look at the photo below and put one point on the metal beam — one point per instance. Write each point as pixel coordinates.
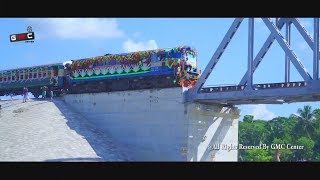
(316, 49)
(306, 36)
(287, 63)
(309, 93)
(310, 42)
(216, 56)
(264, 49)
(250, 53)
(289, 52)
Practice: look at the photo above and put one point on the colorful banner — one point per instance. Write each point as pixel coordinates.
(130, 58)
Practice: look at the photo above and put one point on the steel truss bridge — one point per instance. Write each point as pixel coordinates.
(271, 93)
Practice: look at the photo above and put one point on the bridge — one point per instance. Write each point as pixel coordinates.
(271, 93)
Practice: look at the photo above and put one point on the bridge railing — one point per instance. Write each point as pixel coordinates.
(255, 87)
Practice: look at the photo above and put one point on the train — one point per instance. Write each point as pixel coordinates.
(159, 68)
(12, 81)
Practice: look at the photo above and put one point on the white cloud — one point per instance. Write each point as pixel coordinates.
(131, 46)
(75, 28)
(260, 111)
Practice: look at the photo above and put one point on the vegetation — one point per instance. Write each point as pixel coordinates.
(294, 138)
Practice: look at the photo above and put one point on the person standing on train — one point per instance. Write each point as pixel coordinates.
(11, 97)
(44, 92)
(25, 94)
(51, 95)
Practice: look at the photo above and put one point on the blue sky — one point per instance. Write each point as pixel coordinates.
(59, 40)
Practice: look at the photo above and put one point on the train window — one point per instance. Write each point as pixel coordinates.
(39, 74)
(17, 76)
(0, 79)
(154, 58)
(5, 79)
(13, 78)
(161, 56)
(169, 54)
(21, 76)
(34, 75)
(26, 76)
(44, 74)
(55, 71)
(9, 78)
(30, 75)
(186, 67)
(49, 73)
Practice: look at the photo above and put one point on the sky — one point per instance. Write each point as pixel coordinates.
(64, 39)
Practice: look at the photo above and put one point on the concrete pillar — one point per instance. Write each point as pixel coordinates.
(212, 132)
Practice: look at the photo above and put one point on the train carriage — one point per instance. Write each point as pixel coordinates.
(13, 80)
(158, 68)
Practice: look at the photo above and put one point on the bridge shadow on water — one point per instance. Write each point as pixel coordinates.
(99, 141)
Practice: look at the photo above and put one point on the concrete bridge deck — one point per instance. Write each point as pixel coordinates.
(41, 130)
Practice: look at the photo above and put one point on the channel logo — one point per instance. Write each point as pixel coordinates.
(28, 37)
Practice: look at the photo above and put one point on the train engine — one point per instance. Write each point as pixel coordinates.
(160, 68)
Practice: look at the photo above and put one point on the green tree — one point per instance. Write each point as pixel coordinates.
(281, 128)
(316, 157)
(252, 133)
(283, 154)
(248, 118)
(307, 152)
(302, 129)
(317, 123)
(257, 155)
(305, 118)
(316, 113)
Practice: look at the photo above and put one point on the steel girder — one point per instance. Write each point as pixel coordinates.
(250, 94)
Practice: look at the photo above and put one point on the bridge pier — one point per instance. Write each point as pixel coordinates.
(157, 125)
(212, 132)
